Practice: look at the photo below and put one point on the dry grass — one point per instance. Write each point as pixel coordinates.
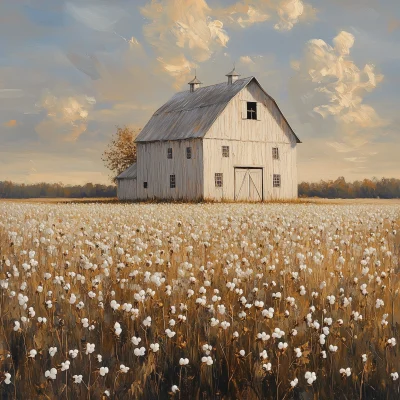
(215, 274)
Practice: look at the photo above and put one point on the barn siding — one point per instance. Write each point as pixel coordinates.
(155, 168)
(126, 189)
(249, 154)
(250, 143)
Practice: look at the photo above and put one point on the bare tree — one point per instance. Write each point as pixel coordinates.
(121, 151)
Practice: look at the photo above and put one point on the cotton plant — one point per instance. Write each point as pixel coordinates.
(246, 283)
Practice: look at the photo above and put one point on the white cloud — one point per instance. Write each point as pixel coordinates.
(183, 33)
(289, 12)
(192, 32)
(252, 16)
(331, 85)
(66, 115)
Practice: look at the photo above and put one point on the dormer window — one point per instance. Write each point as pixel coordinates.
(251, 110)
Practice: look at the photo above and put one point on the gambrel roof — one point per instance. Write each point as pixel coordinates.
(189, 115)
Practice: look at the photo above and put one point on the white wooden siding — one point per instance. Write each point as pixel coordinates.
(249, 154)
(250, 145)
(127, 189)
(233, 123)
(155, 168)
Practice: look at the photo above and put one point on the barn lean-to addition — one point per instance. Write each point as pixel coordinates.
(228, 141)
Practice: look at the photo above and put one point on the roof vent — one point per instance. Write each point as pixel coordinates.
(194, 84)
(232, 76)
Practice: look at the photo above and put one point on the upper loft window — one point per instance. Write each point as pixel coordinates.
(225, 151)
(275, 153)
(251, 110)
(188, 153)
(169, 152)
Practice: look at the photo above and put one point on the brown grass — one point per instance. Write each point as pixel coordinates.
(120, 249)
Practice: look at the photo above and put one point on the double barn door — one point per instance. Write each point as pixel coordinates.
(248, 184)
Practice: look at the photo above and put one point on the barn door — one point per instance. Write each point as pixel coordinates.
(241, 184)
(248, 184)
(255, 184)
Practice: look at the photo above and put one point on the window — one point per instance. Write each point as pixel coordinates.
(277, 180)
(145, 185)
(218, 179)
(169, 152)
(172, 181)
(188, 152)
(251, 110)
(225, 151)
(275, 153)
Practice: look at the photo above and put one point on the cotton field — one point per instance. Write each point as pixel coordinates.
(205, 301)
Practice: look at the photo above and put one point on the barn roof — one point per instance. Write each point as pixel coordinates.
(189, 115)
(129, 173)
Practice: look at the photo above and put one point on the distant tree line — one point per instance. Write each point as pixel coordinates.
(368, 188)
(11, 190)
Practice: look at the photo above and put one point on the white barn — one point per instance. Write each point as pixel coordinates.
(228, 141)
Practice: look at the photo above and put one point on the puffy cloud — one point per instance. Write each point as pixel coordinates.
(66, 115)
(179, 67)
(183, 33)
(252, 16)
(289, 12)
(330, 84)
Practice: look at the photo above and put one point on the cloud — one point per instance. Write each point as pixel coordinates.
(252, 16)
(289, 12)
(182, 33)
(178, 67)
(284, 13)
(185, 33)
(329, 84)
(246, 60)
(66, 116)
(11, 123)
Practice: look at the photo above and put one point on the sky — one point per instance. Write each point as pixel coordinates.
(71, 71)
